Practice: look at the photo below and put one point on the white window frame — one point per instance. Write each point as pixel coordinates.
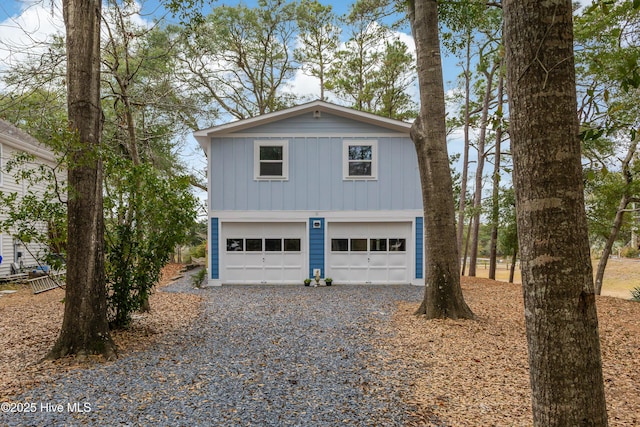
(345, 159)
(285, 159)
(1, 165)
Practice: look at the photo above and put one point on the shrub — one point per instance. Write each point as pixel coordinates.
(635, 293)
(199, 251)
(198, 278)
(629, 252)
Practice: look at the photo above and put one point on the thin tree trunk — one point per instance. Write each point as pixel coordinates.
(462, 204)
(466, 247)
(495, 207)
(560, 310)
(512, 270)
(85, 328)
(443, 295)
(613, 235)
(477, 201)
(617, 222)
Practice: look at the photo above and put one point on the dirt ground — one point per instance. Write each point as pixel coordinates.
(475, 373)
(467, 373)
(30, 324)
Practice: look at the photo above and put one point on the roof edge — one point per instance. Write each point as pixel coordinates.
(203, 136)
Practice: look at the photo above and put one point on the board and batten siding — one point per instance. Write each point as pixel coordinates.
(315, 180)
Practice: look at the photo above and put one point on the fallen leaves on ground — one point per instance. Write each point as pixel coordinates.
(30, 325)
(475, 373)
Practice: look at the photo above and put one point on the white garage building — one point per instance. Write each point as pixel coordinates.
(317, 186)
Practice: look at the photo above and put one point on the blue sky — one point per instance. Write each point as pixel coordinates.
(24, 21)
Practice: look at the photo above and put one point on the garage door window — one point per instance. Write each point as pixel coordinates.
(339, 245)
(292, 245)
(375, 245)
(397, 245)
(269, 245)
(358, 245)
(273, 245)
(378, 245)
(235, 245)
(254, 245)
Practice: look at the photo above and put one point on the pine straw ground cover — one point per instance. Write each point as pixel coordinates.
(475, 373)
(30, 324)
(464, 373)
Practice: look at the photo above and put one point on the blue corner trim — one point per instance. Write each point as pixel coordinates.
(316, 245)
(419, 247)
(214, 266)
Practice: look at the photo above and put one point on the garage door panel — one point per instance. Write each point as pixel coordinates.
(385, 258)
(270, 252)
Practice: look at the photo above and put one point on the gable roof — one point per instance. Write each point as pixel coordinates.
(204, 136)
(22, 141)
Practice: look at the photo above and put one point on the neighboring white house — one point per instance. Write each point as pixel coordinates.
(316, 186)
(12, 141)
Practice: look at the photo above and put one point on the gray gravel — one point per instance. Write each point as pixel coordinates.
(258, 356)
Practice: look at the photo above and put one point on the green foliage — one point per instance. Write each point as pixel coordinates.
(629, 252)
(147, 214)
(508, 234)
(198, 278)
(635, 294)
(199, 251)
(37, 217)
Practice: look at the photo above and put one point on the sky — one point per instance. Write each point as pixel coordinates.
(23, 22)
(28, 22)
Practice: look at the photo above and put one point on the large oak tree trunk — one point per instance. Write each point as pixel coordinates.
(85, 328)
(560, 311)
(443, 295)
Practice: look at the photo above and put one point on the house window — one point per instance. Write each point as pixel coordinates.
(271, 159)
(360, 159)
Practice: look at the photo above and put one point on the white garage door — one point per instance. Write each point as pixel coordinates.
(375, 253)
(271, 253)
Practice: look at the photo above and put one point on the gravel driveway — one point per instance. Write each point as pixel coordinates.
(258, 356)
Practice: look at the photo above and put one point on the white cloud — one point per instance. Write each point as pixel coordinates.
(26, 34)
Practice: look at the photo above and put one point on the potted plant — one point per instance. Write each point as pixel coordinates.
(328, 281)
(307, 282)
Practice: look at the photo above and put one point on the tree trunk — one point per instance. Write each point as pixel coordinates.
(512, 270)
(613, 235)
(617, 222)
(443, 295)
(477, 200)
(560, 311)
(465, 153)
(85, 328)
(495, 197)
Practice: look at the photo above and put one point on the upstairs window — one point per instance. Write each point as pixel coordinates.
(360, 160)
(271, 160)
